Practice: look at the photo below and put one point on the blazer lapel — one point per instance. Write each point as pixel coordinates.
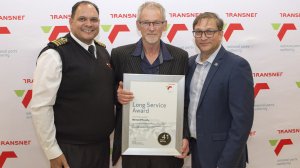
(166, 67)
(192, 67)
(212, 71)
(135, 64)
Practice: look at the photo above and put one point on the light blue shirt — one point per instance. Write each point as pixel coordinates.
(196, 86)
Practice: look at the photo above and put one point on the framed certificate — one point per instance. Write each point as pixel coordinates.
(153, 121)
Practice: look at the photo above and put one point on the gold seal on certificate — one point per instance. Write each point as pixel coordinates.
(153, 120)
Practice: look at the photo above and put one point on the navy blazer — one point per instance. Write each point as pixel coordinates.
(124, 62)
(225, 111)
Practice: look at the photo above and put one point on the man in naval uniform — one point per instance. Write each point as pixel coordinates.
(73, 95)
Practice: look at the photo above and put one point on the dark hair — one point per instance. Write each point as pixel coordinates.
(74, 8)
(209, 15)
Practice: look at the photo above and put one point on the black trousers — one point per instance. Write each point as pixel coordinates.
(86, 155)
(129, 161)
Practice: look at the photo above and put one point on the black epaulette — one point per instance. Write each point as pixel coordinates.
(59, 42)
(100, 44)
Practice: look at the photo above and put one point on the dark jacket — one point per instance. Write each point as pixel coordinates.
(124, 62)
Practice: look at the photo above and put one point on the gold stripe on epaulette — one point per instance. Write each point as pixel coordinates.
(60, 41)
(55, 42)
(101, 44)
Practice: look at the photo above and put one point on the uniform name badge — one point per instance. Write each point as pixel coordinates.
(153, 121)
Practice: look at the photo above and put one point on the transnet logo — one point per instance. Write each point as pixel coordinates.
(55, 31)
(231, 28)
(26, 96)
(283, 29)
(115, 30)
(170, 87)
(4, 30)
(279, 144)
(5, 155)
(260, 86)
(298, 84)
(174, 29)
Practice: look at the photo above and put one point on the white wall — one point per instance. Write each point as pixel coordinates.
(274, 61)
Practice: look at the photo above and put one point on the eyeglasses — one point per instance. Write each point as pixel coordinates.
(207, 33)
(147, 24)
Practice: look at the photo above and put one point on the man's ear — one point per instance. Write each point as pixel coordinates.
(165, 24)
(70, 21)
(221, 33)
(138, 25)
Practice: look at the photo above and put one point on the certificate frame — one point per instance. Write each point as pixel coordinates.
(141, 136)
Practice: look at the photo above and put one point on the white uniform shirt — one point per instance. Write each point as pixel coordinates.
(46, 82)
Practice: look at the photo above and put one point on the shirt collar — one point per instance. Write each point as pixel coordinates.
(211, 58)
(163, 50)
(85, 46)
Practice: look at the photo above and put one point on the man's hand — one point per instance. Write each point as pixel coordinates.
(59, 162)
(124, 97)
(184, 149)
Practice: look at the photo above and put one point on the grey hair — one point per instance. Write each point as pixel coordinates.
(151, 4)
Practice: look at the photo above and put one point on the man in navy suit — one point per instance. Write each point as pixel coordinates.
(219, 99)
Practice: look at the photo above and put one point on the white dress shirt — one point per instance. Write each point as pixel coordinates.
(46, 82)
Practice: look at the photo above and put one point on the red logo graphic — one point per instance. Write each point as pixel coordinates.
(285, 27)
(169, 87)
(280, 144)
(4, 30)
(5, 155)
(27, 98)
(260, 86)
(232, 27)
(56, 31)
(115, 31)
(174, 29)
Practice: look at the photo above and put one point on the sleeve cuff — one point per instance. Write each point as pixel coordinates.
(54, 152)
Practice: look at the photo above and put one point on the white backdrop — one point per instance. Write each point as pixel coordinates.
(266, 33)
